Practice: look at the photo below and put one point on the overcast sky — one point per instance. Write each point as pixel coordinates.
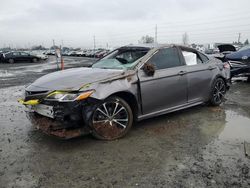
(24, 23)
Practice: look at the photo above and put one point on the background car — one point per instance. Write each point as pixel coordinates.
(238, 60)
(12, 57)
(101, 54)
(39, 54)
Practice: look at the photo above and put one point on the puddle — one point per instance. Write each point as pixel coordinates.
(237, 127)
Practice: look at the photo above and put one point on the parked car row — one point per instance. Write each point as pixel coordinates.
(99, 53)
(21, 56)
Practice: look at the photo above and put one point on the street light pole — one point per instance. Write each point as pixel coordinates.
(94, 46)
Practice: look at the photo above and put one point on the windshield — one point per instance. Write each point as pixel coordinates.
(121, 59)
(245, 48)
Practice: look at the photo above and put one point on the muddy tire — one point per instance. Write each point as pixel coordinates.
(111, 119)
(218, 92)
(11, 61)
(34, 60)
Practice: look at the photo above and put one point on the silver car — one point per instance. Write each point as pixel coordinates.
(130, 84)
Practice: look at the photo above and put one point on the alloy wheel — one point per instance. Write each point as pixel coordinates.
(111, 120)
(219, 91)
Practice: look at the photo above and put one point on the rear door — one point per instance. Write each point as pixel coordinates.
(167, 88)
(199, 75)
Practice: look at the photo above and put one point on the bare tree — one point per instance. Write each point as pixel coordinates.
(146, 39)
(185, 39)
(246, 42)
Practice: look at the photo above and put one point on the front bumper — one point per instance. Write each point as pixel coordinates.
(240, 68)
(56, 128)
(69, 119)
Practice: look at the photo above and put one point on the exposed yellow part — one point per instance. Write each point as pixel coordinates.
(55, 92)
(29, 102)
(84, 95)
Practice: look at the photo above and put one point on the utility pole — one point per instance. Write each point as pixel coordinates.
(53, 43)
(57, 63)
(94, 41)
(156, 34)
(239, 38)
(94, 46)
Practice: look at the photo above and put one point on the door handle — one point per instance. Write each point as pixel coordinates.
(211, 68)
(181, 73)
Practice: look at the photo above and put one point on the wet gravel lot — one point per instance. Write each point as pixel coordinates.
(198, 147)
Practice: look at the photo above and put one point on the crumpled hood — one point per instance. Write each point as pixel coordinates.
(72, 79)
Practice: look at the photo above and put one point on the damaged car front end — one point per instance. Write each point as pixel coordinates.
(58, 113)
(131, 83)
(62, 103)
(239, 60)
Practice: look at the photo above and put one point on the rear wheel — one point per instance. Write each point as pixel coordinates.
(218, 92)
(11, 61)
(112, 119)
(34, 60)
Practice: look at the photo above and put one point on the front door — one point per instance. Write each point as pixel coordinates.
(167, 88)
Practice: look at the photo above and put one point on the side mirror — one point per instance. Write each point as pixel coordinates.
(149, 69)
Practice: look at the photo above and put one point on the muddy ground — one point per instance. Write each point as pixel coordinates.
(198, 147)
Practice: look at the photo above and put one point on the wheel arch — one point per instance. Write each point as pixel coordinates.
(223, 78)
(130, 99)
(216, 77)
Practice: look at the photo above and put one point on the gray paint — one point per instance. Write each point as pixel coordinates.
(166, 91)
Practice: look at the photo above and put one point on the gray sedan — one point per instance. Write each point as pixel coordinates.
(131, 83)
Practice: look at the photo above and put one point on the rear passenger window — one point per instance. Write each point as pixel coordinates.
(16, 53)
(24, 54)
(191, 58)
(165, 58)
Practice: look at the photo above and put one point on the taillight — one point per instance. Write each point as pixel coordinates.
(226, 66)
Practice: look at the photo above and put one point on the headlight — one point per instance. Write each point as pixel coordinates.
(68, 97)
(244, 57)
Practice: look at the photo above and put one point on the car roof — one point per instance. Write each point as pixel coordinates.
(155, 46)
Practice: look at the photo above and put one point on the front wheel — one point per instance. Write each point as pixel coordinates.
(218, 92)
(112, 119)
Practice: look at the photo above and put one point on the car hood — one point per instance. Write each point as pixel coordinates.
(226, 48)
(239, 55)
(72, 79)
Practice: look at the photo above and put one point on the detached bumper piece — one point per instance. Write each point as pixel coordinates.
(64, 130)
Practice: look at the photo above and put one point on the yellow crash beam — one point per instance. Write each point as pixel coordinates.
(29, 102)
